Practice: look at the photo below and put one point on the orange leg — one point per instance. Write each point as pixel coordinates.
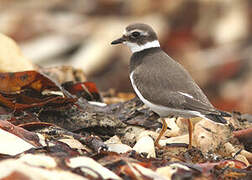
(164, 127)
(190, 131)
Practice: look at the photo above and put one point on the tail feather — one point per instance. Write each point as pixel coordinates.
(218, 118)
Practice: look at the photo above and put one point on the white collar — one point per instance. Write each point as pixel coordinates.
(136, 48)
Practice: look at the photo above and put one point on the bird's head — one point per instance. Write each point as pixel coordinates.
(138, 37)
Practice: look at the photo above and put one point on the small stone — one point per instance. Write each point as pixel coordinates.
(145, 145)
(118, 148)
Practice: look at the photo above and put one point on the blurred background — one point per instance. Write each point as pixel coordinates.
(211, 38)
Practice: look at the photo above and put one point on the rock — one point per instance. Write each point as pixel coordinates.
(146, 172)
(11, 58)
(118, 148)
(11, 144)
(90, 166)
(16, 169)
(208, 135)
(170, 170)
(39, 160)
(145, 145)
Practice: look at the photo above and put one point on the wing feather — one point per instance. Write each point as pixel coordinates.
(172, 88)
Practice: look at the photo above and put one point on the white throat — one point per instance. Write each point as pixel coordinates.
(136, 48)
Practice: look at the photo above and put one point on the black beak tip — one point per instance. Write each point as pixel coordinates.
(113, 42)
(118, 41)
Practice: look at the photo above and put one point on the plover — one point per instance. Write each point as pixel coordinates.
(161, 83)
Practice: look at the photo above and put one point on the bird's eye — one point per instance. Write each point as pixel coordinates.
(136, 34)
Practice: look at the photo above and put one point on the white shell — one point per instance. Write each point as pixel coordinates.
(145, 145)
